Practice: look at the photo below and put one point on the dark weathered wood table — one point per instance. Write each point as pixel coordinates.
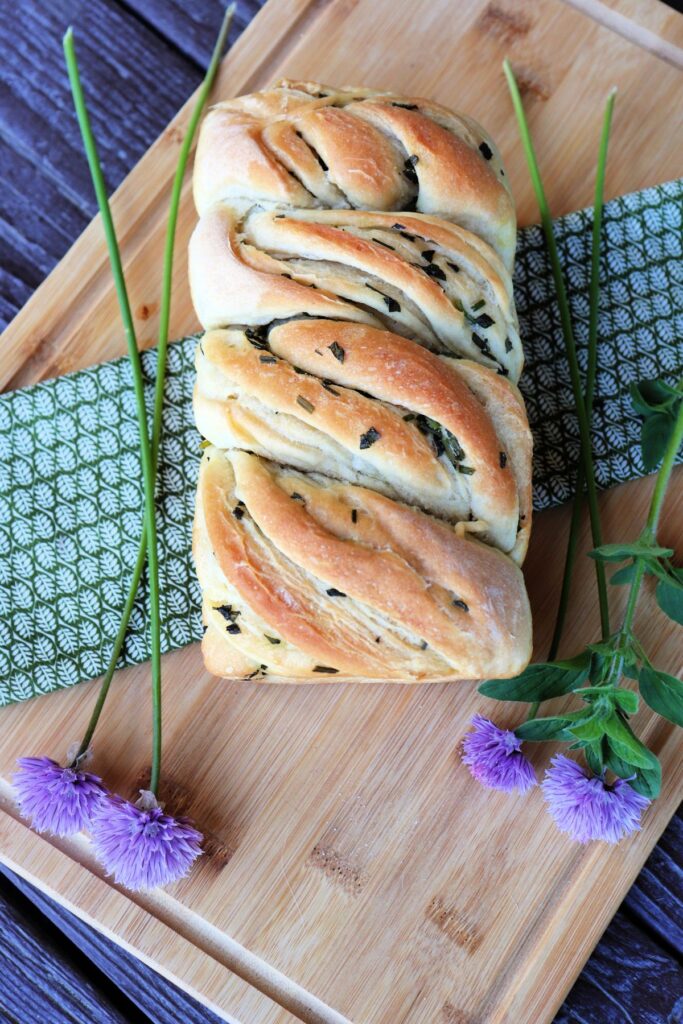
(140, 61)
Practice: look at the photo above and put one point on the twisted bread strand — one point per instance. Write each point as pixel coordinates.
(374, 353)
(307, 578)
(305, 145)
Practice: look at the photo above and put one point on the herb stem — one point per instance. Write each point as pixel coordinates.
(162, 355)
(570, 344)
(591, 373)
(665, 470)
(134, 356)
(569, 562)
(118, 645)
(649, 535)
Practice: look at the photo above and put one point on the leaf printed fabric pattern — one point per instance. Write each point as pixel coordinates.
(70, 522)
(70, 479)
(640, 332)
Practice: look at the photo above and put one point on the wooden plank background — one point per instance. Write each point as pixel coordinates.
(43, 153)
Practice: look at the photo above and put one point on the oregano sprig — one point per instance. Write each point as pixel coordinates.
(605, 799)
(596, 675)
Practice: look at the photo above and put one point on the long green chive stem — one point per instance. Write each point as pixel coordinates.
(572, 540)
(570, 344)
(138, 385)
(162, 353)
(649, 536)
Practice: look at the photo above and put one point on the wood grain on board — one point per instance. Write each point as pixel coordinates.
(347, 849)
(656, 27)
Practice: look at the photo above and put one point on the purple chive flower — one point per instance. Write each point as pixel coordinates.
(587, 807)
(56, 799)
(140, 845)
(494, 757)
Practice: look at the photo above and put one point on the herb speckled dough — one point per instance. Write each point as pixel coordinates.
(364, 501)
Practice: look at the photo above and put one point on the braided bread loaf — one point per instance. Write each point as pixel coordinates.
(365, 498)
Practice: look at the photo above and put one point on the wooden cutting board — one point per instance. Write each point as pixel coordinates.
(353, 870)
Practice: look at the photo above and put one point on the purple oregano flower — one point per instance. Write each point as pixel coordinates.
(140, 845)
(494, 757)
(58, 800)
(587, 807)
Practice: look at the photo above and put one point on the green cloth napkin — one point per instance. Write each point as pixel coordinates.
(70, 483)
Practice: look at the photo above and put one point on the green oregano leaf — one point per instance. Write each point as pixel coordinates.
(603, 699)
(602, 649)
(629, 656)
(662, 692)
(588, 730)
(594, 759)
(637, 549)
(627, 700)
(646, 781)
(541, 681)
(654, 438)
(658, 404)
(648, 396)
(669, 594)
(598, 665)
(623, 575)
(537, 730)
(626, 744)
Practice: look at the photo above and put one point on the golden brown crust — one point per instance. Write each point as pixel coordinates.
(426, 279)
(436, 447)
(296, 579)
(376, 151)
(225, 289)
(352, 268)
